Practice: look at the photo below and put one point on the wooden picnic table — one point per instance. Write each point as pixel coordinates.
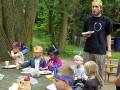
(12, 74)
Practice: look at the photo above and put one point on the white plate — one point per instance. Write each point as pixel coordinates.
(51, 87)
(25, 72)
(14, 87)
(45, 72)
(89, 32)
(1, 76)
(10, 66)
(28, 69)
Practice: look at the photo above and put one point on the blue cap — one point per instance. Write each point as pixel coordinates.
(65, 78)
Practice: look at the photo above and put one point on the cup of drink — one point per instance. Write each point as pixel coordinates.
(6, 63)
(17, 66)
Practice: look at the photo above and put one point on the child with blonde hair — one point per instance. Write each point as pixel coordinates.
(79, 70)
(94, 79)
(37, 61)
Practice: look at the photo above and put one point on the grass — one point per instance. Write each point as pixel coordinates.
(116, 55)
(71, 50)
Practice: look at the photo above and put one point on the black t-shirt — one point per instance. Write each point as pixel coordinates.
(102, 26)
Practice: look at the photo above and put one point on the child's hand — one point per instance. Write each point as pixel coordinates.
(78, 77)
(51, 64)
(14, 55)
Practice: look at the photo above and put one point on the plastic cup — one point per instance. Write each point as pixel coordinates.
(17, 66)
(6, 63)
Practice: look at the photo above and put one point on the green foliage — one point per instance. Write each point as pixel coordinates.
(44, 42)
(115, 55)
(71, 50)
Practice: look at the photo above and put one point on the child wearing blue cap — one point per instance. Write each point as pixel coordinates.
(64, 79)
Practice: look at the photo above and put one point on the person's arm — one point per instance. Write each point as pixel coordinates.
(13, 55)
(109, 29)
(109, 54)
(26, 64)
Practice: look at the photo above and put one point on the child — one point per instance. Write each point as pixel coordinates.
(94, 79)
(54, 62)
(24, 49)
(37, 61)
(64, 79)
(79, 68)
(16, 53)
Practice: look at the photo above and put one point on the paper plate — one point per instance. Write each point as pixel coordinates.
(51, 87)
(25, 72)
(45, 72)
(9, 66)
(1, 76)
(14, 87)
(28, 69)
(89, 32)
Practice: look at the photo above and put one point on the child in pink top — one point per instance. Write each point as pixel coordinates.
(54, 62)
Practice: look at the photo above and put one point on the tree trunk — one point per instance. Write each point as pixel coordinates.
(74, 30)
(30, 13)
(15, 24)
(3, 39)
(51, 27)
(19, 21)
(63, 26)
(8, 19)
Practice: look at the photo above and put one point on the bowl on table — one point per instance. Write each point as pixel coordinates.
(35, 73)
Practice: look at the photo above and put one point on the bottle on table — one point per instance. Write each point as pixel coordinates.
(27, 83)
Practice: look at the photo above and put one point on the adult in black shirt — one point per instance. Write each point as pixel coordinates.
(98, 42)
